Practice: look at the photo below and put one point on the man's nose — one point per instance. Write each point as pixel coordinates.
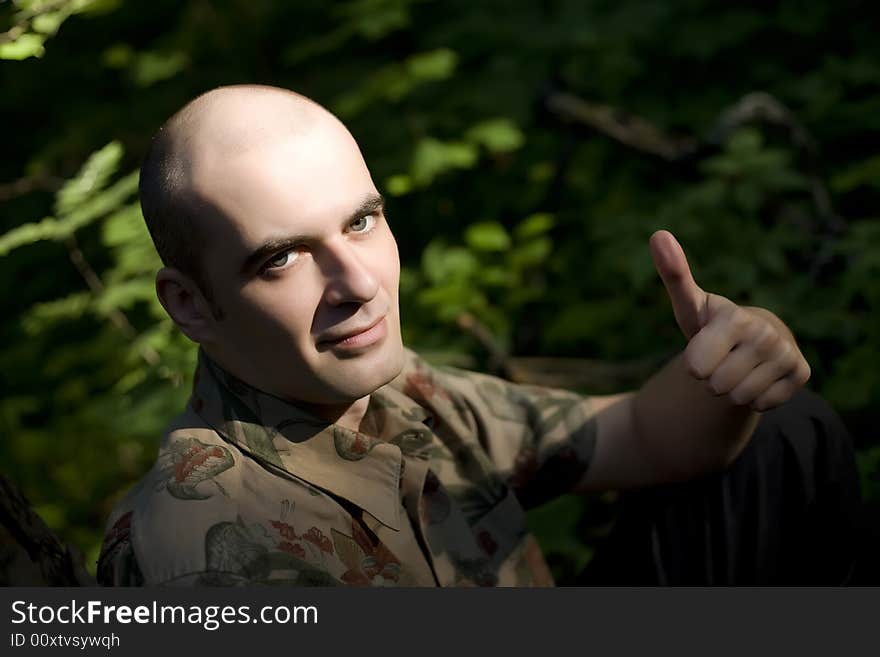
(348, 277)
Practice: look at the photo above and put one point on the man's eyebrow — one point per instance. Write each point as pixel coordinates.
(268, 248)
(370, 204)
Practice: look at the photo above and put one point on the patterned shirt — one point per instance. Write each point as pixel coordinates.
(430, 491)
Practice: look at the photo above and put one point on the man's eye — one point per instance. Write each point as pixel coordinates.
(363, 224)
(281, 260)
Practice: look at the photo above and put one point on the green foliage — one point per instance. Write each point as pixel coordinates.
(80, 201)
(34, 21)
(393, 82)
(27, 45)
(557, 524)
(502, 211)
(492, 277)
(432, 157)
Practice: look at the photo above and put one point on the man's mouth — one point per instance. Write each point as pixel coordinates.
(363, 336)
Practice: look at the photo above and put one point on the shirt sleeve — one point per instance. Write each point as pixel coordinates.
(540, 439)
(117, 565)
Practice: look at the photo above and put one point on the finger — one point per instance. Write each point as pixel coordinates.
(711, 345)
(733, 369)
(776, 395)
(766, 340)
(688, 299)
(762, 379)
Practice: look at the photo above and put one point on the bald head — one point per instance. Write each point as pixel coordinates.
(218, 125)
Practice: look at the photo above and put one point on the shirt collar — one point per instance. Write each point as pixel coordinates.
(363, 467)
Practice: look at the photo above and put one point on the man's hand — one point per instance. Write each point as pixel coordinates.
(745, 353)
(674, 428)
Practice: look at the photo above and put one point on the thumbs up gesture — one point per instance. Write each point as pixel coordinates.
(744, 353)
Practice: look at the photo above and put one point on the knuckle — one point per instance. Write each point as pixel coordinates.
(741, 319)
(693, 365)
(767, 337)
(785, 352)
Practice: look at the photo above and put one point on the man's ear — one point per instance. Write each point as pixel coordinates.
(184, 302)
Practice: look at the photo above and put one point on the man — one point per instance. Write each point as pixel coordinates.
(316, 449)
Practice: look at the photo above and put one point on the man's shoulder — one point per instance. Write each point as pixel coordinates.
(472, 392)
(208, 512)
(190, 456)
(195, 482)
(422, 376)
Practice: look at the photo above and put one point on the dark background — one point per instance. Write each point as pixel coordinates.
(527, 151)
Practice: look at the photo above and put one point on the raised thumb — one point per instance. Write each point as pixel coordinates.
(689, 301)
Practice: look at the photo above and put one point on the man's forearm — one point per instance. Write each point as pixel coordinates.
(683, 428)
(697, 413)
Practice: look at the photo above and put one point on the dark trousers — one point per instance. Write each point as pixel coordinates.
(786, 512)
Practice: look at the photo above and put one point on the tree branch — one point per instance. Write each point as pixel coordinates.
(641, 135)
(622, 126)
(34, 556)
(96, 285)
(29, 184)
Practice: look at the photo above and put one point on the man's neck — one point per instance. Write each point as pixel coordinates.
(345, 415)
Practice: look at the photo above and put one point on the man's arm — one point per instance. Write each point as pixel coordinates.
(698, 413)
(673, 429)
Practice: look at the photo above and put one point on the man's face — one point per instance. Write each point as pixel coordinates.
(303, 268)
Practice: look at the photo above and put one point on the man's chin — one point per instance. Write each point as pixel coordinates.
(381, 368)
(363, 376)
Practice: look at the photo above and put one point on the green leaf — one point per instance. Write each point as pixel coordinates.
(375, 19)
(123, 295)
(441, 263)
(496, 135)
(48, 228)
(433, 65)
(102, 203)
(26, 45)
(398, 185)
(394, 81)
(745, 141)
(92, 176)
(124, 226)
(48, 23)
(433, 157)
(130, 380)
(496, 276)
(149, 68)
(487, 236)
(42, 315)
(54, 229)
(119, 55)
(534, 225)
(317, 45)
(866, 172)
(531, 253)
